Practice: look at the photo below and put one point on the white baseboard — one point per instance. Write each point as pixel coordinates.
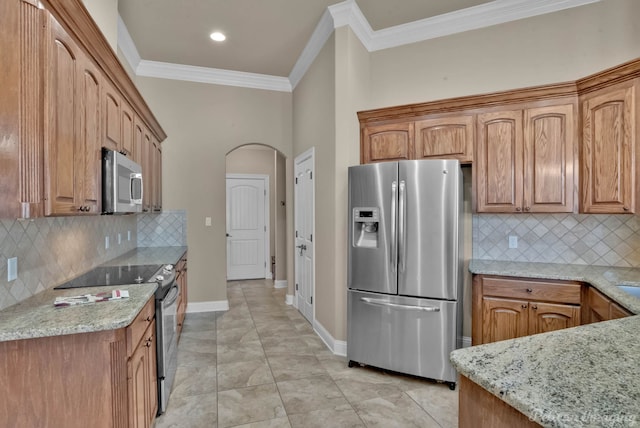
(338, 347)
(280, 283)
(212, 306)
(289, 299)
(466, 341)
(269, 275)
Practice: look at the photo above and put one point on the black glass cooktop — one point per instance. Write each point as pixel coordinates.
(112, 275)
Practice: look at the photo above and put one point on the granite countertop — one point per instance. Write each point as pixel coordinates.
(578, 377)
(38, 317)
(604, 278)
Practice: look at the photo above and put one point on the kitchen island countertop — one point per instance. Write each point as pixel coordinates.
(583, 376)
(38, 317)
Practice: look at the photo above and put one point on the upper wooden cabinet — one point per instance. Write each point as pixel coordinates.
(387, 142)
(609, 120)
(72, 127)
(525, 159)
(64, 95)
(446, 137)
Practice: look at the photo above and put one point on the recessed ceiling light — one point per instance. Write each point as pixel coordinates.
(218, 36)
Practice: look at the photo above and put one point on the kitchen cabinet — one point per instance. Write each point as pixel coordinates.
(387, 142)
(506, 308)
(600, 308)
(448, 137)
(127, 130)
(72, 126)
(156, 175)
(112, 116)
(525, 160)
(609, 133)
(147, 171)
(181, 278)
(106, 377)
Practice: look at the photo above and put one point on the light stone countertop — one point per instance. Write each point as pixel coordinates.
(38, 317)
(584, 376)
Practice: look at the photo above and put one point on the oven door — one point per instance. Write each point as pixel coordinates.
(167, 313)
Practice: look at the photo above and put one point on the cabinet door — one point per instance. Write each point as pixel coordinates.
(616, 311)
(138, 382)
(548, 159)
(499, 162)
(156, 155)
(112, 118)
(544, 317)
(152, 385)
(608, 144)
(387, 142)
(147, 171)
(61, 146)
(503, 319)
(448, 138)
(127, 130)
(598, 306)
(89, 162)
(138, 141)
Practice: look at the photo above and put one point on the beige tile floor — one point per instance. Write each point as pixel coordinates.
(261, 365)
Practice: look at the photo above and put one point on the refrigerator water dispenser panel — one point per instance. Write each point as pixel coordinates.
(365, 227)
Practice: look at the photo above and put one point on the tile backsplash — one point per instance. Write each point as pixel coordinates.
(54, 249)
(168, 228)
(585, 239)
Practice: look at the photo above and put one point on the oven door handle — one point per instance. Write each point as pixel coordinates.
(172, 296)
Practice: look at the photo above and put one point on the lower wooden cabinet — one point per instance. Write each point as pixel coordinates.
(600, 308)
(181, 278)
(100, 379)
(506, 308)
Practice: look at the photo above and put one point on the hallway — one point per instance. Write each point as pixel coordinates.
(260, 364)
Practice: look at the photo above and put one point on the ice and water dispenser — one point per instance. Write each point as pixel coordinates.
(365, 227)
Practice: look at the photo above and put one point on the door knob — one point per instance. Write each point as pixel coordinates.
(229, 236)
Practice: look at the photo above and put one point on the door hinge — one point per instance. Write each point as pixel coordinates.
(265, 228)
(310, 175)
(311, 300)
(296, 233)
(265, 192)
(311, 238)
(296, 180)
(265, 264)
(296, 286)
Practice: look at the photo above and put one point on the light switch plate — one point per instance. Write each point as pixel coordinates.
(128, 235)
(106, 242)
(207, 221)
(513, 241)
(119, 238)
(12, 268)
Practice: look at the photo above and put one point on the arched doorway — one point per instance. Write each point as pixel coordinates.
(253, 162)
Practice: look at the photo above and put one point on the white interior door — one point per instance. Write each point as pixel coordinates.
(247, 227)
(304, 226)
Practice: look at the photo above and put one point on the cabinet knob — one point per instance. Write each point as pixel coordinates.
(529, 290)
(534, 307)
(527, 208)
(149, 318)
(518, 209)
(524, 306)
(625, 208)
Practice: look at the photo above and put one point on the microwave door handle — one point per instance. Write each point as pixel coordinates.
(133, 177)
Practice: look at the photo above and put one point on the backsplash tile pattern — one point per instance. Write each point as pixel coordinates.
(168, 228)
(55, 249)
(584, 239)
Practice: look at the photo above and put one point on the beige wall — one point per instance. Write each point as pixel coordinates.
(203, 123)
(551, 48)
(280, 201)
(105, 14)
(314, 126)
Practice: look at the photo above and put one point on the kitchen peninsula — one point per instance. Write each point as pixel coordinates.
(581, 376)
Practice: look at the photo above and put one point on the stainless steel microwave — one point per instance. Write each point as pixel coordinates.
(122, 187)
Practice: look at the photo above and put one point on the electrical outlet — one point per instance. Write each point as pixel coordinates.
(106, 242)
(128, 235)
(12, 268)
(513, 241)
(119, 238)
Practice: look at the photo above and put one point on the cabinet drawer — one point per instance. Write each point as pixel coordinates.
(546, 291)
(136, 329)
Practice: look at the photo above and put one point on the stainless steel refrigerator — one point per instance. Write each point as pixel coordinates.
(405, 267)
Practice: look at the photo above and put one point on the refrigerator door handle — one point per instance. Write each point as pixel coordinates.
(397, 306)
(401, 227)
(394, 242)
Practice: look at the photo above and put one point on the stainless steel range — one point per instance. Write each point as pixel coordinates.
(166, 297)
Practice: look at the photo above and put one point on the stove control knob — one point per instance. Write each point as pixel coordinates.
(168, 268)
(159, 278)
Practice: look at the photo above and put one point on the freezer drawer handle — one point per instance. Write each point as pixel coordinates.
(395, 305)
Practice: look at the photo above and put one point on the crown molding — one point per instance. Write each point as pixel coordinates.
(127, 46)
(472, 18)
(347, 13)
(216, 76)
(318, 38)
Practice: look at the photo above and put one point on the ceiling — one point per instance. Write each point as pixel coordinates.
(263, 36)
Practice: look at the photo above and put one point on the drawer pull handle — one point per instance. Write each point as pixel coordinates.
(529, 290)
